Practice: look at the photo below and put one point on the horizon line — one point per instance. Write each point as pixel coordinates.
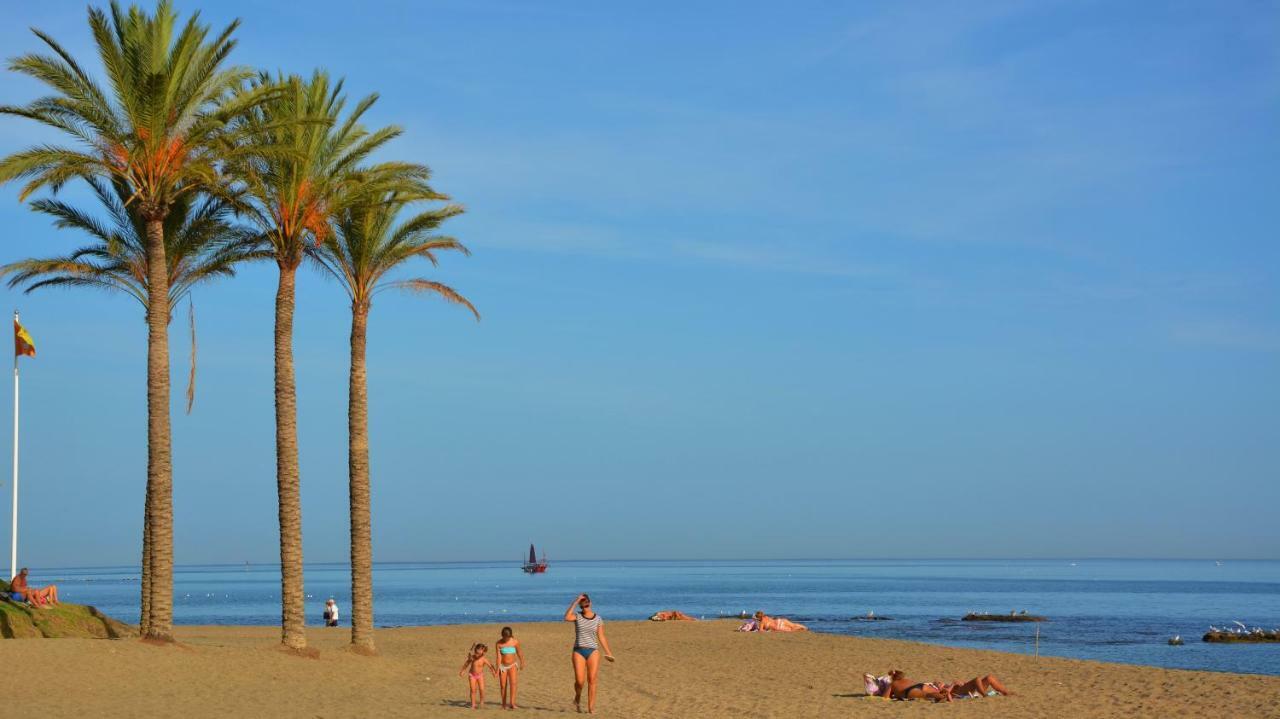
(688, 560)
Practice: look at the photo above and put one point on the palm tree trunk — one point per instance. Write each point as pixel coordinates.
(159, 458)
(144, 620)
(288, 480)
(358, 461)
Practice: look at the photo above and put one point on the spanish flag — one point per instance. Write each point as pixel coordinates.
(22, 342)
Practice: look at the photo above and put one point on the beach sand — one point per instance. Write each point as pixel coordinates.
(677, 669)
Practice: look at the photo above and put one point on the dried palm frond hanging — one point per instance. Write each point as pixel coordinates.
(191, 375)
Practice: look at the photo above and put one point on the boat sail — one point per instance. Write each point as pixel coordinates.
(533, 566)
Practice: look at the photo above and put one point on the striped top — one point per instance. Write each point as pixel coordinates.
(585, 630)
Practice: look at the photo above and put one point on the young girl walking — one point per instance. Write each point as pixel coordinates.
(474, 668)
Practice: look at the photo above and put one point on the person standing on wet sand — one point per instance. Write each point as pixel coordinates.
(331, 613)
(588, 640)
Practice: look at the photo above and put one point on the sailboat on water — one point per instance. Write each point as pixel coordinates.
(533, 566)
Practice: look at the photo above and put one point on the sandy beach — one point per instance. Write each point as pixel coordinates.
(543, 298)
(678, 669)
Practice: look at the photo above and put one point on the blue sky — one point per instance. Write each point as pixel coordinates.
(831, 280)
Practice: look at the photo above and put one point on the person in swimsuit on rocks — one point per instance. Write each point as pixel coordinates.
(36, 596)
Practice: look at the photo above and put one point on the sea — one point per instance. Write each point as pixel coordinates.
(1104, 610)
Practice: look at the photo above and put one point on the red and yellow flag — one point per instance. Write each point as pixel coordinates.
(22, 342)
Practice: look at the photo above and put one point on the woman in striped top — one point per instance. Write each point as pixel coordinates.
(588, 638)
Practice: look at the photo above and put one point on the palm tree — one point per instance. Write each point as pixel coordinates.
(366, 248)
(160, 128)
(199, 246)
(293, 193)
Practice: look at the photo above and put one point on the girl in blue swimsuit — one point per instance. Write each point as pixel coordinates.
(510, 662)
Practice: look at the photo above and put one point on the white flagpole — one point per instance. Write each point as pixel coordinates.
(13, 541)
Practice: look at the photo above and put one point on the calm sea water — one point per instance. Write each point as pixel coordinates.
(1108, 610)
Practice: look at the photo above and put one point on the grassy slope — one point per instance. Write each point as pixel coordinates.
(19, 621)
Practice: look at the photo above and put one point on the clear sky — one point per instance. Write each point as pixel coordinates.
(758, 280)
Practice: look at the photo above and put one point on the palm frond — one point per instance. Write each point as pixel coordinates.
(420, 285)
(312, 170)
(201, 244)
(191, 374)
(68, 281)
(159, 124)
(368, 245)
(69, 217)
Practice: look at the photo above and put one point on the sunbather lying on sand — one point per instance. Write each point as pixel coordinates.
(984, 686)
(896, 686)
(900, 687)
(778, 624)
(672, 615)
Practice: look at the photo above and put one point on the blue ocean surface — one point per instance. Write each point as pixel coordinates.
(1107, 610)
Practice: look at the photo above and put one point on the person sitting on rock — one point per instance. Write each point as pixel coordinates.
(35, 596)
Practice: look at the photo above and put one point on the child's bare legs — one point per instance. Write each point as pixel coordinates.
(477, 692)
(508, 681)
(579, 678)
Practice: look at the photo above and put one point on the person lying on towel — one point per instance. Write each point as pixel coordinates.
(778, 624)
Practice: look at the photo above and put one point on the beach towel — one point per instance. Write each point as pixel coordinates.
(876, 686)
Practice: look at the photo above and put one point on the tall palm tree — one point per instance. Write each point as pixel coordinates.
(160, 127)
(364, 251)
(293, 193)
(199, 246)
